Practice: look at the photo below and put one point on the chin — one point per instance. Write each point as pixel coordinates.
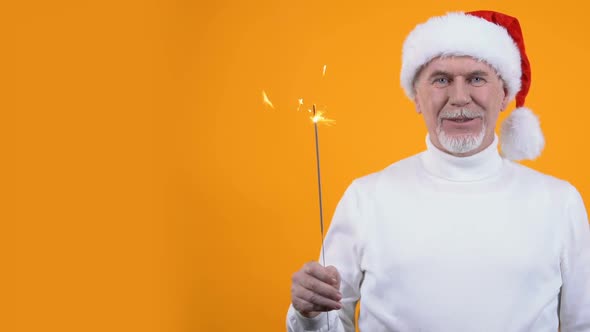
(461, 143)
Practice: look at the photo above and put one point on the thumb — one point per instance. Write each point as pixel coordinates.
(335, 276)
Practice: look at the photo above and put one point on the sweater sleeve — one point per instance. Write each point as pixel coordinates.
(343, 247)
(574, 311)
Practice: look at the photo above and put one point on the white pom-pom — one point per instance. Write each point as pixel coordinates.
(521, 136)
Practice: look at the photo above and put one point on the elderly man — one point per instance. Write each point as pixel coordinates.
(458, 237)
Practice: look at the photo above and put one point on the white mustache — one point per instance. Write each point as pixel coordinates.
(460, 113)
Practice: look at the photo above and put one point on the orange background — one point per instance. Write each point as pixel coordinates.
(151, 190)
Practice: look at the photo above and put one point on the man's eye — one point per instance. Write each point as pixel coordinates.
(441, 80)
(477, 81)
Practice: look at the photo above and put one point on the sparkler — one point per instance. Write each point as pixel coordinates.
(316, 117)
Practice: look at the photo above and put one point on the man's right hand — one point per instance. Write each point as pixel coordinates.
(315, 288)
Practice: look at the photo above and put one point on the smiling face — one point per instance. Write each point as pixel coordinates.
(460, 99)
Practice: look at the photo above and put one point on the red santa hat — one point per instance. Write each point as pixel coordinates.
(492, 37)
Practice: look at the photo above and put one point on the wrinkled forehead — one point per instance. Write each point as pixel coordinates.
(456, 65)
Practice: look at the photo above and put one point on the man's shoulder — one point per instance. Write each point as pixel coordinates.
(535, 177)
(401, 170)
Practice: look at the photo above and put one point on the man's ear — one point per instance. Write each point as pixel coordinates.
(505, 100)
(417, 104)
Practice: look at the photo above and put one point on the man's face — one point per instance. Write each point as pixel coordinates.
(460, 99)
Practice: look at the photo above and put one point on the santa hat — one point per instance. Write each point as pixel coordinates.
(492, 37)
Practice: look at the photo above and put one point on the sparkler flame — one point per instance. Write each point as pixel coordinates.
(266, 100)
(319, 117)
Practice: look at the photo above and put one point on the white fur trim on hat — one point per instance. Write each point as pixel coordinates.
(521, 136)
(461, 34)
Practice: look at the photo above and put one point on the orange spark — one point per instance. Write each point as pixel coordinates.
(300, 104)
(324, 71)
(319, 117)
(266, 100)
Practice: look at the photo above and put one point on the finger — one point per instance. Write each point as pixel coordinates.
(306, 308)
(322, 273)
(318, 302)
(335, 276)
(319, 287)
(322, 289)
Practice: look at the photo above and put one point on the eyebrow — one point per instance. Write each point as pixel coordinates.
(444, 73)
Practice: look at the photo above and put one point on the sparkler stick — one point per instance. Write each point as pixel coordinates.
(317, 156)
(317, 116)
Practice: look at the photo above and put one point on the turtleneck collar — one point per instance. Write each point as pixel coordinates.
(479, 166)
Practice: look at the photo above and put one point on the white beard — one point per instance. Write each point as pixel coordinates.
(459, 143)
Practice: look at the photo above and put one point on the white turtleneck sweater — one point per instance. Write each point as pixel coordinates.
(438, 243)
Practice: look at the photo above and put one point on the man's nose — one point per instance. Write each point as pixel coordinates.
(459, 93)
